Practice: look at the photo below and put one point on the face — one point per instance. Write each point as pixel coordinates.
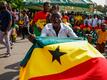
(47, 7)
(56, 20)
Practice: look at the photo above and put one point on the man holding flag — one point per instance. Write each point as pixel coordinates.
(56, 28)
(58, 58)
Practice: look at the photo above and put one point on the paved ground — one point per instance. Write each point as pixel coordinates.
(9, 66)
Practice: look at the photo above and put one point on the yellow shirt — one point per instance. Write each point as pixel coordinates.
(78, 18)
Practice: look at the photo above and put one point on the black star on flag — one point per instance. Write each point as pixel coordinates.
(56, 54)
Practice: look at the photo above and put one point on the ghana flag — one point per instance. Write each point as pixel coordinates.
(63, 59)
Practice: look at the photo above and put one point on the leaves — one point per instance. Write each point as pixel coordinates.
(15, 3)
(101, 8)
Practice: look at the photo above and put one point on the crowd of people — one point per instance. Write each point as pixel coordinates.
(51, 21)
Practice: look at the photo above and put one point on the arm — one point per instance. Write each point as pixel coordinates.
(44, 32)
(32, 37)
(70, 32)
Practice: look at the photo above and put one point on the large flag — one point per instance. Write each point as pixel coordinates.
(63, 59)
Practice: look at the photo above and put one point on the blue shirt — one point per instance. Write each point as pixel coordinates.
(5, 18)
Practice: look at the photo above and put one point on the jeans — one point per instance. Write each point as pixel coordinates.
(5, 39)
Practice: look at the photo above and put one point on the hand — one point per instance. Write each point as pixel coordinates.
(31, 37)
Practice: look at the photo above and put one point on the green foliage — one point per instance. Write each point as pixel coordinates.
(102, 9)
(15, 3)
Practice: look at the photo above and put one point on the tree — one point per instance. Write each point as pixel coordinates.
(102, 9)
(99, 8)
(15, 3)
(105, 9)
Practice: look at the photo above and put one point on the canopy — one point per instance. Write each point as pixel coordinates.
(79, 3)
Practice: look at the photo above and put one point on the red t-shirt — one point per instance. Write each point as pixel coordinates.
(40, 18)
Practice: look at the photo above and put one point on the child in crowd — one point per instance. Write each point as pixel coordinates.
(14, 32)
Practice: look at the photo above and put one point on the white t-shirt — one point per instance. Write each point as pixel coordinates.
(65, 31)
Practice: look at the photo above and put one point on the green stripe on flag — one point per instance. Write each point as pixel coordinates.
(44, 41)
(36, 31)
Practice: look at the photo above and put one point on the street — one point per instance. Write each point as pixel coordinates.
(9, 66)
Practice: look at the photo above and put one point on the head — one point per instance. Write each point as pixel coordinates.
(98, 24)
(46, 6)
(86, 23)
(103, 27)
(55, 8)
(3, 5)
(56, 19)
(24, 12)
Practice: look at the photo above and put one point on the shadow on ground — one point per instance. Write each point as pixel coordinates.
(2, 47)
(9, 75)
(21, 41)
(13, 66)
(2, 55)
(12, 73)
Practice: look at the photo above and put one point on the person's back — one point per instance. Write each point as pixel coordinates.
(5, 17)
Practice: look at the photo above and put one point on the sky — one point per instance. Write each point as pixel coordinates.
(100, 2)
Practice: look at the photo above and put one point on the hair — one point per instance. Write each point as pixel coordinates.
(46, 3)
(55, 7)
(3, 5)
(56, 14)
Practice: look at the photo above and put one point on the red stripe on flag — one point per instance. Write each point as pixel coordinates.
(94, 69)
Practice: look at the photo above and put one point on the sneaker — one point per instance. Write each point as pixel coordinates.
(7, 54)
